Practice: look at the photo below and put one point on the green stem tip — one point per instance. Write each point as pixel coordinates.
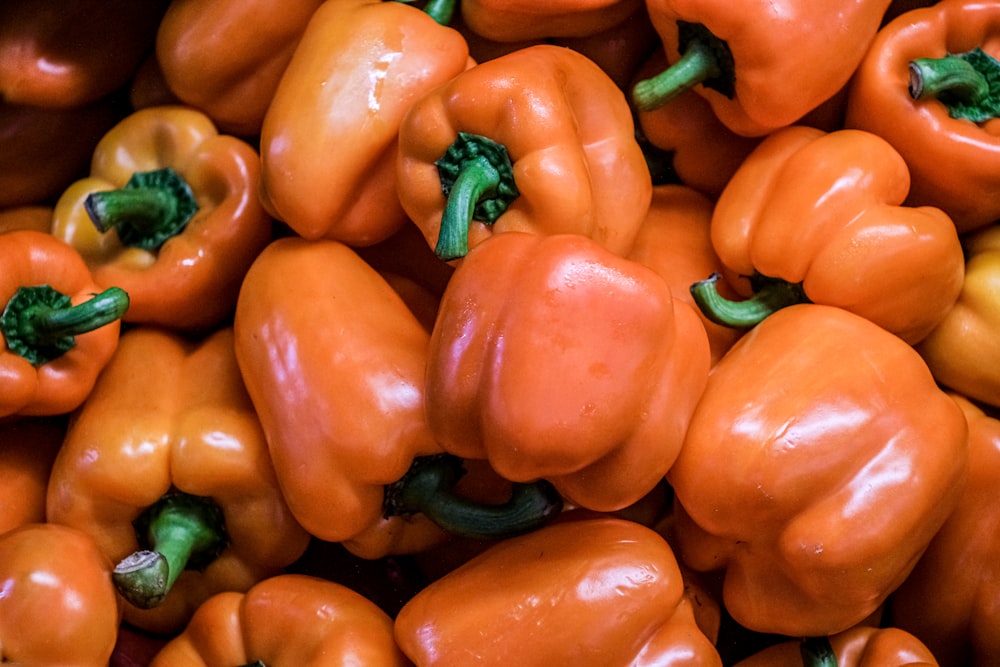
(705, 59)
(40, 323)
(153, 207)
(441, 11)
(817, 652)
(428, 489)
(180, 531)
(770, 295)
(968, 84)
(477, 178)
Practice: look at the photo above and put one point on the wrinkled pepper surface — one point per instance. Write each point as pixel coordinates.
(860, 646)
(62, 55)
(547, 597)
(184, 499)
(226, 58)
(554, 358)
(328, 143)
(28, 448)
(819, 463)
(334, 362)
(170, 213)
(764, 66)
(821, 213)
(58, 605)
(59, 328)
(916, 89)
(539, 140)
(288, 619)
(950, 598)
(522, 20)
(962, 351)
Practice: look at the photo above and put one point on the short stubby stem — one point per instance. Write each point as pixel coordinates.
(967, 84)
(41, 324)
(705, 59)
(770, 295)
(154, 206)
(180, 531)
(477, 178)
(440, 10)
(428, 489)
(817, 652)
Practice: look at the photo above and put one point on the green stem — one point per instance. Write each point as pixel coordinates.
(968, 84)
(817, 652)
(255, 663)
(440, 10)
(705, 59)
(180, 531)
(153, 207)
(427, 488)
(40, 323)
(477, 178)
(770, 295)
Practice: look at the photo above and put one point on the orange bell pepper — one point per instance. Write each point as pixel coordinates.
(28, 216)
(58, 328)
(819, 463)
(547, 598)
(962, 351)
(762, 67)
(62, 55)
(950, 598)
(818, 216)
(27, 449)
(554, 358)
(166, 466)
(618, 49)
(334, 362)
(328, 142)
(540, 139)
(169, 213)
(675, 241)
(288, 619)
(226, 58)
(45, 149)
(953, 162)
(521, 20)
(860, 646)
(58, 605)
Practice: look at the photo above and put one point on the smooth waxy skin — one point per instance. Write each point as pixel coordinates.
(860, 646)
(819, 463)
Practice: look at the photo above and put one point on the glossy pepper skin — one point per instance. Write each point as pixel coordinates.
(953, 163)
(334, 362)
(949, 600)
(546, 597)
(961, 351)
(328, 143)
(288, 619)
(860, 646)
(27, 449)
(58, 606)
(198, 436)
(226, 58)
(819, 463)
(52, 374)
(539, 140)
(675, 241)
(522, 20)
(769, 63)
(824, 210)
(554, 358)
(61, 55)
(188, 279)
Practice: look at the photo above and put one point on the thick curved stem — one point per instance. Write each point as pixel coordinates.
(178, 532)
(153, 207)
(427, 488)
(40, 323)
(770, 295)
(968, 84)
(477, 177)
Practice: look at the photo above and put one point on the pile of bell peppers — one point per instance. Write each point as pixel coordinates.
(624, 333)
